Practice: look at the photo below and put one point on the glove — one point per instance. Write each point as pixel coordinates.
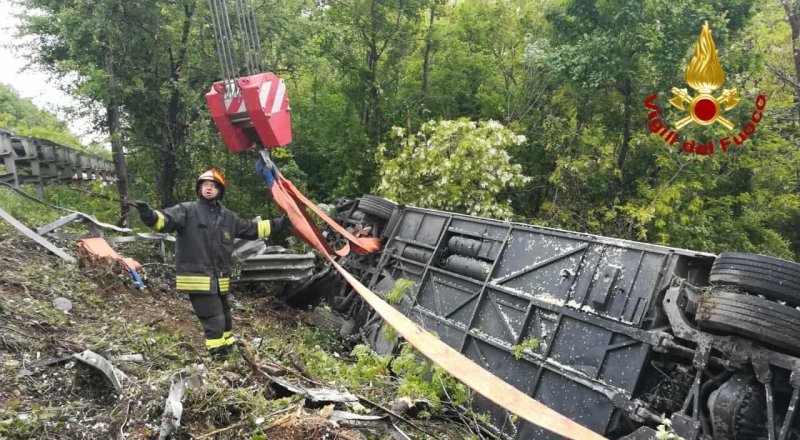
(265, 170)
(276, 225)
(146, 213)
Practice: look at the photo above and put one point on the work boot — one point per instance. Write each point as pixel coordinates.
(220, 353)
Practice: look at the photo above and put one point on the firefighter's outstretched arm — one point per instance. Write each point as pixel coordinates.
(146, 213)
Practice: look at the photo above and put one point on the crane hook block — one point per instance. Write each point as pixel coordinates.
(255, 113)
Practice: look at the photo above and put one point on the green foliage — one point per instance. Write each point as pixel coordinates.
(568, 75)
(528, 344)
(26, 424)
(23, 118)
(226, 405)
(401, 287)
(369, 366)
(420, 380)
(390, 333)
(460, 166)
(92, 198)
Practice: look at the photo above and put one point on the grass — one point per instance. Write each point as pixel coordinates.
(111, 318)
(401, 288)
(530, 344)
(90, 198)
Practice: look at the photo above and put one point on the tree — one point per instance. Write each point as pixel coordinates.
(22, 117)
(792, 8)
(89, 41)
(478, 68)
(460, 166)
(132, 58)
(619, 49)
(365, 43)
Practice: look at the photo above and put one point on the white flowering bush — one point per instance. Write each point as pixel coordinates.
(460, 166)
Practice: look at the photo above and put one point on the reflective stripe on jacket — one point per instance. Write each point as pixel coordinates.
(204, 242)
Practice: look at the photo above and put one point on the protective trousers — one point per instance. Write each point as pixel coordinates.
(214, 312)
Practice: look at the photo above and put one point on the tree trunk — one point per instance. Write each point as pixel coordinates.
(117, 150)
(175, 135)
(426, 57)
(792, 8)
(168, 172)
(118, 155)
(626, 123)
(374, 99)
(175, 129)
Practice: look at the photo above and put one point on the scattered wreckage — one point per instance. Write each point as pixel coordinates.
(612, 333)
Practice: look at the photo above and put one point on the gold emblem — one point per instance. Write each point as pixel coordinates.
(704, 74)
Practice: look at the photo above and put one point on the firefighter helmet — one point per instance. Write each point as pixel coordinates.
(213, 175)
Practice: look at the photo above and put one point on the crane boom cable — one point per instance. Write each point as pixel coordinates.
(225, 50)
(244, 38)
(248, 32)
(232, 89)
(254, 31)
(217, 36)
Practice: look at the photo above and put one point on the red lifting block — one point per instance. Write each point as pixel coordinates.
(259, 112)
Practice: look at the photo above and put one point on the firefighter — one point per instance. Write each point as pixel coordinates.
(204, 244)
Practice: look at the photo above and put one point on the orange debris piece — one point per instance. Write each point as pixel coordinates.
(96, 252)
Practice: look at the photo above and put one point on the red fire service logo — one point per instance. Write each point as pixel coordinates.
(703, 74)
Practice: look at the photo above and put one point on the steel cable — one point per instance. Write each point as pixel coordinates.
(224, 42)
(216, 26)
(249, 43)
(231, 89)
(254, 32)
(244, 38)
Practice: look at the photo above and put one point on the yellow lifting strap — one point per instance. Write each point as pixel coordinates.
(468, 372)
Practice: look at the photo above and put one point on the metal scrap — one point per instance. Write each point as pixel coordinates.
(317, 395)
(94, 360)
(278, 267)
(37, 238)
(244, 249)
(90, 220)
(129, 358)
(173, 406)
(338, 416)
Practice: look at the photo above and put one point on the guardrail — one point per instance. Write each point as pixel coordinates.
(27, 160)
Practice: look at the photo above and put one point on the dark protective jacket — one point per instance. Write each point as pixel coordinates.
(204, 243)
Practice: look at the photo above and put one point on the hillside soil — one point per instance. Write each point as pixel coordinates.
(51, 310)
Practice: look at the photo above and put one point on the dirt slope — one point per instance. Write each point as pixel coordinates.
(44, 393)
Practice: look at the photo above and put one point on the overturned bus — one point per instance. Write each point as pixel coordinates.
(614, 334)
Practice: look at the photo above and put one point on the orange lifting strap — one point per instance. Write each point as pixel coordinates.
(291, 201)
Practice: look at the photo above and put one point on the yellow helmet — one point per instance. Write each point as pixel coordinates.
(213, 175)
